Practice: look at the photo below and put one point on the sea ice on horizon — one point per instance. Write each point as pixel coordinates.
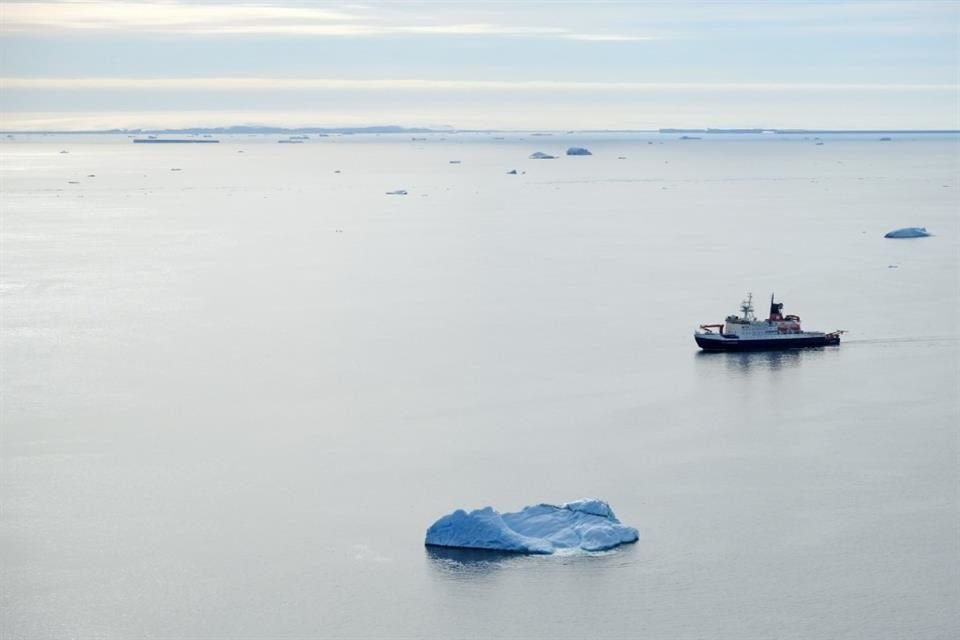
(589, 525)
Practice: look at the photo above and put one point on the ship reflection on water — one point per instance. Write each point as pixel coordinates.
(771, 360)
(745, 361)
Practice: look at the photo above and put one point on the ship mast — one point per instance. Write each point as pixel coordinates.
(747, 307)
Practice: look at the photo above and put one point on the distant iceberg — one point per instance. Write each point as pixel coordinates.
(588, 525)
(398, 192)
(578, 151)
(540, 155)
(908, 232)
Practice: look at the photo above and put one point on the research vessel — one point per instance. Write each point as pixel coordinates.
(746, 333)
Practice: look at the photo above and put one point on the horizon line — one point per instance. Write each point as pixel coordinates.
(401, 129)
(221, 83)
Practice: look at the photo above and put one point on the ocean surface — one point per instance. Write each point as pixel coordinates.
(239, 381)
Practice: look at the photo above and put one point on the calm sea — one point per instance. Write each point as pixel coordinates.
(239, 381)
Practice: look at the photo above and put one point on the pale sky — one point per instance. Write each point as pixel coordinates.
(89, 64)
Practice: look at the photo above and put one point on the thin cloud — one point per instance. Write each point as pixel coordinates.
(259, 19)
(570, 21)
(112, 14)
(608, 37)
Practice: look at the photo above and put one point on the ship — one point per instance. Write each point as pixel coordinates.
(746, 333)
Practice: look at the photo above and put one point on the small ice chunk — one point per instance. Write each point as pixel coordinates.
(588, 525)
(578, 151)
(540, 155)
(908, 232)
(398, 192)
(512, 172)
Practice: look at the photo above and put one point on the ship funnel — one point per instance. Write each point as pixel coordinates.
(775, 309)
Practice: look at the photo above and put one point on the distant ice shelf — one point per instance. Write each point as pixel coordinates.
(587, 525)
(174, 141)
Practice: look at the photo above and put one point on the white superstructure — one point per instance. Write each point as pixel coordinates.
(747, 326)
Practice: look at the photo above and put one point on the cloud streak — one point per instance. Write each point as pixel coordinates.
(179, 18)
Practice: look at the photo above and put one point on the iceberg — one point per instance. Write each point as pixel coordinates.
(908, 232)
(578, 151)
(540, 155)
(398, 192)
(587, 525)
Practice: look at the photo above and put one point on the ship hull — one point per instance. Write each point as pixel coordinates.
(722, 343)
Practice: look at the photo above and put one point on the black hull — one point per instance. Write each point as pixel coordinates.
(733, 344)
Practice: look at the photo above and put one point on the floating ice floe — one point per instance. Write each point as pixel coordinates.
(578, 151)
(908, 232)
(512, 172)
(398, 192)
(587, 525)
(540, 155)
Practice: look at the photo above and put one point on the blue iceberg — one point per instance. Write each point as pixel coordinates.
(540, 155)
(578, 151)
(908, 232)
(587, 525)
